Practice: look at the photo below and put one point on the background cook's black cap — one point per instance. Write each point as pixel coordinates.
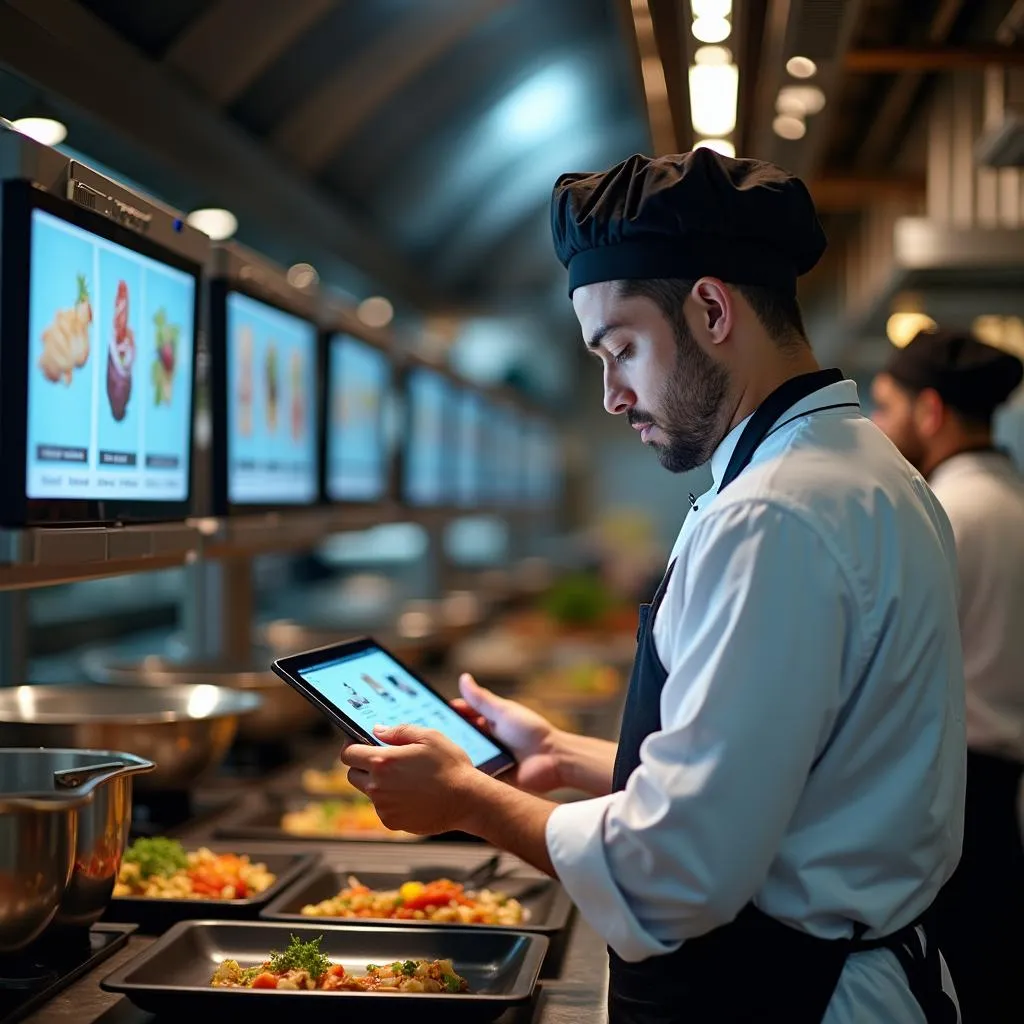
(686, 216)
(969, 376)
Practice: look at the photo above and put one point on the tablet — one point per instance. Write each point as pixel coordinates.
(358, 685)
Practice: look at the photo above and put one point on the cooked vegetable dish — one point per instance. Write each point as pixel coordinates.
(440, 900)
(162, 869)
(337, 817)
(331, 782)
(303, 968)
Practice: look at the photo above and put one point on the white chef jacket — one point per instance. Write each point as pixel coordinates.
(812, 751)
(983, 495)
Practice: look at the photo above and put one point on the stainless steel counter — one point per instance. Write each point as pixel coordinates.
(575, 994)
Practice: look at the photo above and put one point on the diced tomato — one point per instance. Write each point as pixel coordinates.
(265, 981)
(336, 971)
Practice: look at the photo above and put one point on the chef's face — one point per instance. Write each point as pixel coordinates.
(655, 373)
(896, 414)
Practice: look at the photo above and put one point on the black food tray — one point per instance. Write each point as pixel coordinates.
(156, 915)
(172, 976)
(549, 905)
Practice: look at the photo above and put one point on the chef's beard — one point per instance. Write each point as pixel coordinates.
(691, 406)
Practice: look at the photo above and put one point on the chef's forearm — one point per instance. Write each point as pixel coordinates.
(585, 763)
(508, 818)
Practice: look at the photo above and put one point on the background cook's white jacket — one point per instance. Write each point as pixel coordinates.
(983, 495)
(811, 618)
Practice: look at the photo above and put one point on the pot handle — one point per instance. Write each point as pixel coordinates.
(92, 775)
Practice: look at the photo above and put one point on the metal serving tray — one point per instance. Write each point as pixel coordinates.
(548, 903)
(156, 915)
(172, 977)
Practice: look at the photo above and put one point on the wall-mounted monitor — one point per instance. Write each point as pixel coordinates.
(264, 369)
(510, 456)
(357, 448)
(98, 324)
(427, 462)
(543, 464)
(469, 467)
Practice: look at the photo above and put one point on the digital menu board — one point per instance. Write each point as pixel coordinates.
(424, 478)
(491, 442)
(359, 375)
(111, 338)
(469, 468)
(272, 441)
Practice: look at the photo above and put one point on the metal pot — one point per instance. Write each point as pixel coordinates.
(64, 819)
(281, 710)
(185, 730)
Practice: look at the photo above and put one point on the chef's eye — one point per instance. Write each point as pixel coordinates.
(623, 354)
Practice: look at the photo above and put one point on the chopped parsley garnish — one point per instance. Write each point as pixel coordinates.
(452, 983)
(301, 956)
(409, 968)
(157, 856)
(373, 967)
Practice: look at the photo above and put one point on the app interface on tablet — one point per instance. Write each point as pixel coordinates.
(110, 369)
(373, 689)
(272, 442)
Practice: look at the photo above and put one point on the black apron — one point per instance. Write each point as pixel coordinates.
(755, 969)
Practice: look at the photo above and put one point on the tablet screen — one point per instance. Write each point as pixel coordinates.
(371, 688)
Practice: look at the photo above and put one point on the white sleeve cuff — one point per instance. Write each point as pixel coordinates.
(575, 841)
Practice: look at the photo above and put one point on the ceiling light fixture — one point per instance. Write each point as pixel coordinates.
(375, 311)
(787, 126)
(800, 100)
(903, 328)
(302, 275)
(711, 30)
(711, 8)
(217, 224)
(801, 67)
(714, 90)
(45, 130)
(723, 146)
(712, 55)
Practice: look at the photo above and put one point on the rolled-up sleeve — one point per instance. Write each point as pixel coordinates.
(759, 622)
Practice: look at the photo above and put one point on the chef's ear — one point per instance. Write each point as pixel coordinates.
(929, 412)
(715, 309)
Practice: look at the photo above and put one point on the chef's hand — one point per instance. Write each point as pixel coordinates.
(417, 783)
(530, 736)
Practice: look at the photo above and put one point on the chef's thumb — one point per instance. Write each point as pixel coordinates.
(477, 697)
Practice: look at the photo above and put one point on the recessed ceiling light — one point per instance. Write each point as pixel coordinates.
(714, 90)
(789, 127)
(302, 275)
(711, 8)
(45, 130)
(712, 55)
(800, 100)
(801, 67)
(218, 225)
(723, 146)
(711, 30)
(375, 311)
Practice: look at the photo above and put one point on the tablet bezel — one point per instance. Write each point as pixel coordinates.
(290, 668)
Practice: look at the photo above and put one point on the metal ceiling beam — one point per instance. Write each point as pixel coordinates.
(888, 122)
(234, 41)
(670, 20)
(931, 58)
(67, 50)
(321, 124)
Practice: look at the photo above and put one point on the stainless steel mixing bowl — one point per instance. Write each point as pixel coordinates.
(61, 842)
(281, 713)
(185, 730)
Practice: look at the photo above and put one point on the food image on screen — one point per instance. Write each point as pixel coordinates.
(439, 901)
(273, 388)
(120, 357)
(66, 340)
(338, 818)
(298, 404)
(302, 967)
(159, 868)
(166, 360)
(245, 382)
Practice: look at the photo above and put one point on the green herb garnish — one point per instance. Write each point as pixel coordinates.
(157, 856)
(301, 956)
(372, 967)
(453, 983)
(409, 968)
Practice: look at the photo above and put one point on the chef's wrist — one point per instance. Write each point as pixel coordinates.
(475, 792)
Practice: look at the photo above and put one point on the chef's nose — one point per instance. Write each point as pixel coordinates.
(618, 399)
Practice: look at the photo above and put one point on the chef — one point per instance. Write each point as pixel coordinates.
(765, 841)
(936, 400)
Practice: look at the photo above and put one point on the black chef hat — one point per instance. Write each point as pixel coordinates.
(700, 213)
(971, 377)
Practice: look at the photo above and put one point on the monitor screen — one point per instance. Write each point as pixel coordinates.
(469, 446)
(509, 456)
(111, 336)
(271, 405)
(542, 464)
(426, 465)
(357, 451)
